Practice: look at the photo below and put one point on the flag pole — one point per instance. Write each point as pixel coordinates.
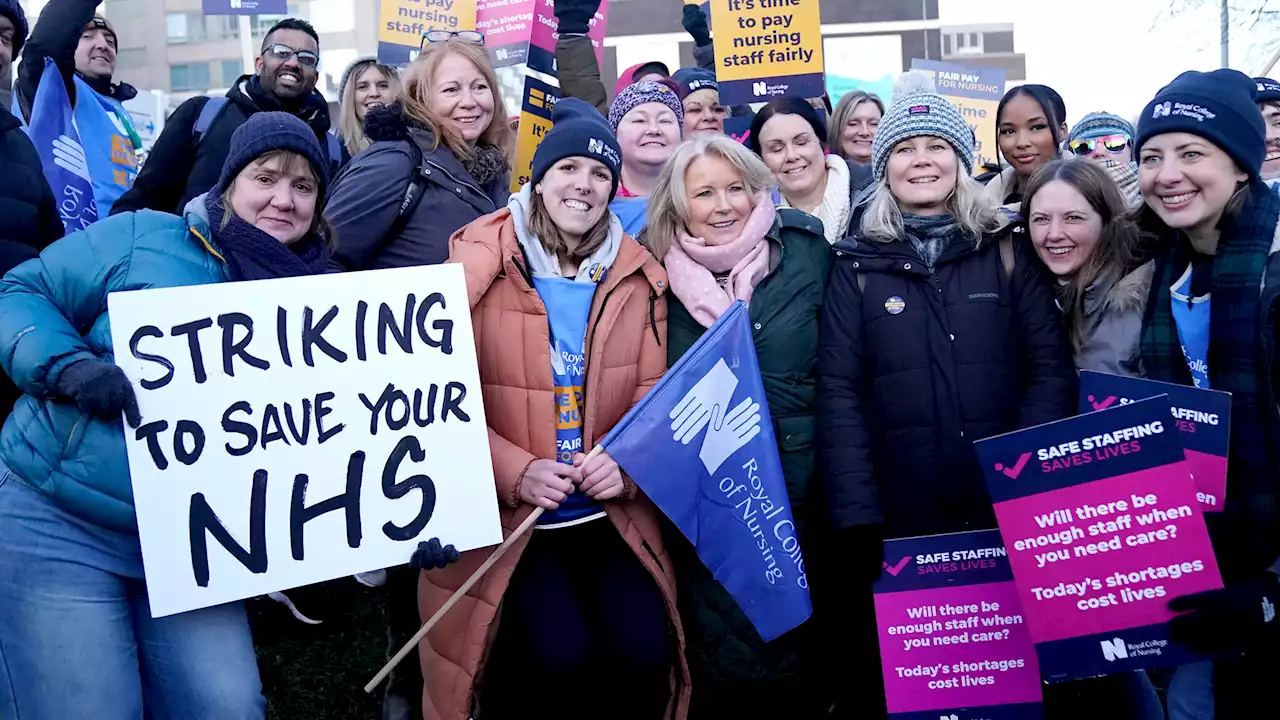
(466, 587)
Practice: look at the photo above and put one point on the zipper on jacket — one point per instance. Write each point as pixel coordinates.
(478, 191)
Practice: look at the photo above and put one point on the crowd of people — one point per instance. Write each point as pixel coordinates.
(904, 303)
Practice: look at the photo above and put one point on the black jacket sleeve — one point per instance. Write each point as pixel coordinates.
(51, 227)
(580, 72)
(1048, 374)
(163, 180)
(56, 36)
(365, 200)
(845, 438)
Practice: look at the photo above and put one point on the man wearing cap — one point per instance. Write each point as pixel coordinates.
(1268, 99)
(187, 157)
(82, 47)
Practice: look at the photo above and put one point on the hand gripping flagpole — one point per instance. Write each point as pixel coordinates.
(466, 587)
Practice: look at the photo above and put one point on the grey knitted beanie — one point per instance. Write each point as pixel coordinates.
(917, 115)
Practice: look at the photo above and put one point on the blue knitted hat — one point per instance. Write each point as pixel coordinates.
(267, 131)
(577, 130)
(1098, 124)
(1218, 106)
(917, 115)
(12, 10)
(1268, 90)
(642, 93)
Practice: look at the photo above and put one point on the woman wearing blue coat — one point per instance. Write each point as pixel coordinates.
(77, 638)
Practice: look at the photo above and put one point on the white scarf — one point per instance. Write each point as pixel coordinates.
(836, 208)
(541, 262)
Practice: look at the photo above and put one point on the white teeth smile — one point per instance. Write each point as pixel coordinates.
(796, 171)
(1060, 250)
(577, 205)
(923, 180)
(1178, 199)
(723, 225)
(1273, 155)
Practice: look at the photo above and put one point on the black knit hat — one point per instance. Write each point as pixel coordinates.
(578, 130)
(1219, 106)
(1268, 90)
(267, 131)
(12, 10)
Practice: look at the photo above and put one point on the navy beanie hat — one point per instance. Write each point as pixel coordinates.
(1268, 90)
(695, 79)
(267, 131)
(12, 10)
(1218, 106)
(577, 130)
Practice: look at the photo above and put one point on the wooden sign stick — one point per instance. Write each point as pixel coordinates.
(466, 587)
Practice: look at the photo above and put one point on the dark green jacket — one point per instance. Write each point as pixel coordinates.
(723, 648)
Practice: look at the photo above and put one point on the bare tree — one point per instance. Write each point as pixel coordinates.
(1251, 26)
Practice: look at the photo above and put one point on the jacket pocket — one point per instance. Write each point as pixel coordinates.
(795, 433)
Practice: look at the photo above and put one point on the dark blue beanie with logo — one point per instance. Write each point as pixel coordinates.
(1219, 106)
(578, 130)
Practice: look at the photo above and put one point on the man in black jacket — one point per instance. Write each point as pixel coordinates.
(28, 213)
(186, 160)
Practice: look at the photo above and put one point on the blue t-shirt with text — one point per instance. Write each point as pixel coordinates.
(1191, 315)
(568, 306)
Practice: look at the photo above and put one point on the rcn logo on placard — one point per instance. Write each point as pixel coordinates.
(760, 89)
(703, 407)
(1114, 650)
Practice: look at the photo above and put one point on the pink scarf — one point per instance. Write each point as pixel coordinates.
(692, 264)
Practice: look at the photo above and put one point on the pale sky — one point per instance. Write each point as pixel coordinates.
(1113, 54)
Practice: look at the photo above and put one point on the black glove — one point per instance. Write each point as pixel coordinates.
(695, 23)
(431, 556)
(100, 389)
(575, 16)
(1228, 619)
(863, 550)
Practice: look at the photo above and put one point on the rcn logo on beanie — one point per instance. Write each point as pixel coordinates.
(1196, 112)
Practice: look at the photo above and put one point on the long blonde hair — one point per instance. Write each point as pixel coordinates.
(350, 127)
(669, 202)
(882, 220)
(417, 96)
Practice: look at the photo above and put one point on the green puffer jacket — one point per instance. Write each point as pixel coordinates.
(725, 653)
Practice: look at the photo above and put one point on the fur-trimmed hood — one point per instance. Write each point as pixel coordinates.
(1127, 294)
(389, 123)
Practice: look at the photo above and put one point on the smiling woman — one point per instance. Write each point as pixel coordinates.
(366, 84)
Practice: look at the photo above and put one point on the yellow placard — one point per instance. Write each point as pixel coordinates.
(402, 22)
(976, 93)
(766, 38)
(538, 101)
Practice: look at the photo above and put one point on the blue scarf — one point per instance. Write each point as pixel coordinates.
(251, 254)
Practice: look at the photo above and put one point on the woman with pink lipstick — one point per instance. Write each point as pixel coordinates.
(1080, 230)
(1030, 126)
(366, 84)
(1210, 321)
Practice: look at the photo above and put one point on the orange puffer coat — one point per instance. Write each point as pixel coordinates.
(625, 356)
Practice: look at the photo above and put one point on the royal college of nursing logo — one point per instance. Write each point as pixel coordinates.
(760, 89)
(703, 407)
(1164, 109)
(600, 147)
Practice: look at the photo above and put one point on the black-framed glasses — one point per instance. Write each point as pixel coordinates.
(438, 36)
(306, 58)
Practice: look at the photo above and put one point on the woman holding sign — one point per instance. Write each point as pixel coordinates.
(713, 222)
(77, 639)
(570, 325)
(1210, 322)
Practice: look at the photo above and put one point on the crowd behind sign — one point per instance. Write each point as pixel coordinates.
(302, 429)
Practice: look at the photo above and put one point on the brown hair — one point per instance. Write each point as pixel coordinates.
(544, 228)
(417, 97)
(286, 161)
(848, 104)
(1118, 244)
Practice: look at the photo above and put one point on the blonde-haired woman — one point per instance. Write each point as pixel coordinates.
(853, 125)
(366, 84)
(443, 147)
(713, 221)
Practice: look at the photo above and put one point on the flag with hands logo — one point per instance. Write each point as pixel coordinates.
(701, 445)
(53, 132)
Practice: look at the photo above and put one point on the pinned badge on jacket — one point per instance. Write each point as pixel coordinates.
(894, 305)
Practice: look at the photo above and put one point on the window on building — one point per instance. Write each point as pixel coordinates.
(188, 77)
(130, 58)
(175, 28)
(974, 41)
(231, 71)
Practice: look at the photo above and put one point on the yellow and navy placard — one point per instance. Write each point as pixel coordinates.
(539, 99)
(402, 23)
(766, 49)
(976, 93)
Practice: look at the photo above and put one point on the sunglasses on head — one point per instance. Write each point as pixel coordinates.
(437, 36)
(1113, 143)
(306, 58)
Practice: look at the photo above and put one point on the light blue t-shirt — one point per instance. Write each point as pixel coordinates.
(631, 213)
(568, 306)
(1191, 315)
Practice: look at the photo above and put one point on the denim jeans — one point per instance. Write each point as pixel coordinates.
(77, 639)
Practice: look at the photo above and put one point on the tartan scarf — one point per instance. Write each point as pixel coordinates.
(1236, 345)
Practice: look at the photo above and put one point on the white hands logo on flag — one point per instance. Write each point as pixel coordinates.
(69, 155)
(704, 407)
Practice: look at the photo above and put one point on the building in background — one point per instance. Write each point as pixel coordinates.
(988, 46)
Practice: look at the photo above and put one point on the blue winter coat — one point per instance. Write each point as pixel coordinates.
(53, 312)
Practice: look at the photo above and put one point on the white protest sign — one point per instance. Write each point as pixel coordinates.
(299, 430)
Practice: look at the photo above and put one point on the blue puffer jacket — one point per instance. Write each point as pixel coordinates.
(53, 312)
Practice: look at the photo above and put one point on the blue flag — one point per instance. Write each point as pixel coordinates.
(54, 134)
(701, 446)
